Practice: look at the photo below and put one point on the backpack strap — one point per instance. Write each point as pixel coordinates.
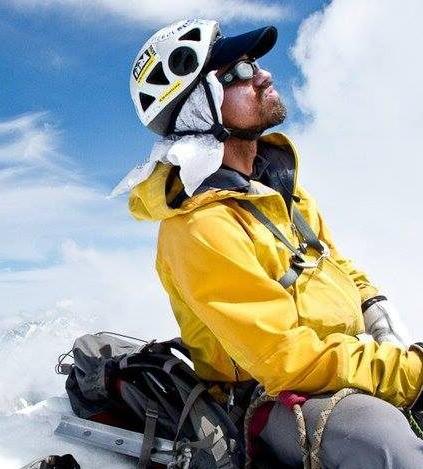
(151, 415)
(298, 262)
(177, 344)
(193, 396)
(261, 217)
(306, 232)
(169, 364)
(236, 414)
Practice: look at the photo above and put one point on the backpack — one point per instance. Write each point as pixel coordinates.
(146, 387)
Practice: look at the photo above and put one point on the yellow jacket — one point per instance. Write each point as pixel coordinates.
(220, 267)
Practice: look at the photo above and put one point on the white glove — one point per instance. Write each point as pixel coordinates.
(382, 322)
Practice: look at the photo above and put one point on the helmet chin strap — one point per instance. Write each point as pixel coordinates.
(242, 134)
(246, 134)
(218, 130)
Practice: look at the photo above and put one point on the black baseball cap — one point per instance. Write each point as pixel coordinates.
(254, 44)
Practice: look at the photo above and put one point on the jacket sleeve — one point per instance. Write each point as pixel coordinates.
(216, 272)
(365, 286)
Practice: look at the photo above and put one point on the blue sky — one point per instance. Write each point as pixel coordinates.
(77, 68)
(68, 133)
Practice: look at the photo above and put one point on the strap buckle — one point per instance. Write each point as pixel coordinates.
(220, 132)
(297, 260)
(152, 413)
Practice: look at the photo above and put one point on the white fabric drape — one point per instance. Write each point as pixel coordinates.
(198, 156)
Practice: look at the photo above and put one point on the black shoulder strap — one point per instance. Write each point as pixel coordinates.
(193, 396)
(151, 416)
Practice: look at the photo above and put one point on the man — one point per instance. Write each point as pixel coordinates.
(254, 279)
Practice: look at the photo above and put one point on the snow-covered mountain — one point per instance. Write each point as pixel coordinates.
(32, 395)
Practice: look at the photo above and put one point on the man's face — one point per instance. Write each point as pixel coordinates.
(253, 103)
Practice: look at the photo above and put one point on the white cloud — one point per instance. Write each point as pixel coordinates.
(163, 11)
(71, 261)
(45, 200)
(88, 291)
(362, 68)
(111, 288)
(25, 141)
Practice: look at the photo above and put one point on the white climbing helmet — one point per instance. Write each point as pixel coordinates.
(167, 68)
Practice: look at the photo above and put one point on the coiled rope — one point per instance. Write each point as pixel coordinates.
(311, 451)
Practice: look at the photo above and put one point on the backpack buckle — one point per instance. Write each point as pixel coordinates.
(152, 413)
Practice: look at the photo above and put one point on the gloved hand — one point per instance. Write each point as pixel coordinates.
(381, 321)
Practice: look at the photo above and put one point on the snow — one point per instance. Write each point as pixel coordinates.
(27, 435)
(29, 407)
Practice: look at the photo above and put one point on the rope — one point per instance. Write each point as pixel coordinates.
(414, 424)
(311, 453)
(302, 433)
(249, 415)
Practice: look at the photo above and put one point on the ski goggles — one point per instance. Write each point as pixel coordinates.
(242, 70)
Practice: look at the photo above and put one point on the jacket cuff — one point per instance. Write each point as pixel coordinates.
(371, 301)
(418, 402)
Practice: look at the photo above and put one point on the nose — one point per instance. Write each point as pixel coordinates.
(262, 78)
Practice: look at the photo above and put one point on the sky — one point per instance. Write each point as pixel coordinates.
(71, 260)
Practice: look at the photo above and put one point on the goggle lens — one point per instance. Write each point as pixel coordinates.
(243, 70)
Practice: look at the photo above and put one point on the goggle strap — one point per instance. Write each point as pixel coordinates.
(210, 99)
(218, 130)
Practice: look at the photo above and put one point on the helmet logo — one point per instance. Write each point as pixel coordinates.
(170, 90)
(144, 64)
(174, 29)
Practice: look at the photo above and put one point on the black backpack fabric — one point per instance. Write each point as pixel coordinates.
(146, 387)
(67, 461)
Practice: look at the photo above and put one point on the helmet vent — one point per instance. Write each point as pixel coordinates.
(183, 61)
(146, 101)
(193, 35)
(157, 76)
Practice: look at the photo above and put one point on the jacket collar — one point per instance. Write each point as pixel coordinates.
(274, 167)
(224, 179)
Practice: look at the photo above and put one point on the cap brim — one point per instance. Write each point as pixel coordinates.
(254, 44)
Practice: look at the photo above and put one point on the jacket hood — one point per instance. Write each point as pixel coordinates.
(156, 198)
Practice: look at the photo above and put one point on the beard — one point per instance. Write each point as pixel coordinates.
(272, 112)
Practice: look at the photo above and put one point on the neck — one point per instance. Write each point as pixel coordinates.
(239, 154)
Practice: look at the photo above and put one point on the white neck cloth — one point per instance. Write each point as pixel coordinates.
(198, 156)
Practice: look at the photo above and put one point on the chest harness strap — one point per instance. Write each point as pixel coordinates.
(308, 238)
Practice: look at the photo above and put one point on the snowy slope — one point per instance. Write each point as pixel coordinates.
(28, 434)
(29, 410)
